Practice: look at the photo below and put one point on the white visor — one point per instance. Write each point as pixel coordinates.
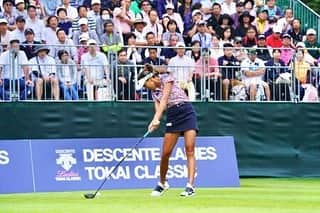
(141, 82)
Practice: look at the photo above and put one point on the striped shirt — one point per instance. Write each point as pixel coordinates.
(91, 24)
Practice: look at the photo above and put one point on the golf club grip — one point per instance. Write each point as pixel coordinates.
(123, 158)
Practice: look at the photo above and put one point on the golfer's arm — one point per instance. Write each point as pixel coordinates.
(162, 105)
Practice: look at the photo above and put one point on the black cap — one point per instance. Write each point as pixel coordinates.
(286, 35)
(227, 45)
(28, 31)
(261, 36)
(14, 40)
(240, 4)
(20, 19)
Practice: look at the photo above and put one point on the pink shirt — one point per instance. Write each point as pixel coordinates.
(177, 95)
(286, 55)
(206, 68)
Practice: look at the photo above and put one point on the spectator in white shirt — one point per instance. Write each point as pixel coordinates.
(72, 12)
(9, 14)
(286, 21)
(174, 16)
(18, 33)
(44, 72)
(35, 23)
(50, 32)
(154, 26)
(228, 7)
(20, 8)
(63, 43)
(5, 34)
(182, 67)
(139, 31)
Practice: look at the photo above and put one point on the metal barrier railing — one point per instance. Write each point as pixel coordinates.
(115, 81)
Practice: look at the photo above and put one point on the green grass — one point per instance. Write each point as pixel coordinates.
(255, 195)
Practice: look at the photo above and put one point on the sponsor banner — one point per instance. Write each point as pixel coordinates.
(81, 164)
(15, 167)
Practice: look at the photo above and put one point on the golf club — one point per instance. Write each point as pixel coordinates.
(93, 195)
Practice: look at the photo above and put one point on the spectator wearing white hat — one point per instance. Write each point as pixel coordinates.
(35, 23)
(312, 44)
(174, 16)
(202, 35)
(83, 13)
(72, 12)
(84, 29)
(182, 68)
(20, 8)
(96, 70)
(9, 14)
(95, 9)
(5, 34)
(274, 40)
(161, 6)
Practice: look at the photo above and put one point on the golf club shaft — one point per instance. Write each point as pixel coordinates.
(123, 158)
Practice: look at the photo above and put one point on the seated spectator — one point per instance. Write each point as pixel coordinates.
(123, 77)
(169, 51)
(64, 22)
(123, 18)
(261, 23)
(263, 51)
(274, 67)
(228, 7)
(195, 51)
(225, 21)
(83, 47)
(296, 32)
(139, 31)
(95, 10)
(133, 52)
(83, 14)
(151, 41)
(274, 40)
(207, 72)
(162, 9)
(287, 51)
(229, 68)
(182, 68)
(21, 76)
(174, 16)
(95, 67)
(164, 23)
(273, 9)
(312, 43)
(44, 7)
(213, 20)
(226, 37)
(245, 21)
(5, 34)
(172, 30)
(84, 29)
(63, 43)
(192, 28)
(250, 40)
(154, 26)
(202, 35)
(19, 31)
(50, 32)
(20, 8)
(43, 69)
(209, 8)
(36, 24)
(239, 52)
(29, 44)
(71, 11)
(67, 76)
(106, 16)
(111, 40)
(253, 70)
(9, 13)
(216, 50)
(286, 21)
(236, 16)
(153, 57)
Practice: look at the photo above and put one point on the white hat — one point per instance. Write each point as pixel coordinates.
(169, 6)
(311, 31)
(301, 44)
(95, 2)
(277, 29)
(83, 37)
(180, 44)
(18, 2)
(195, 12)
(3, 20)
(83, 21)
(92, 41)
(141, 82)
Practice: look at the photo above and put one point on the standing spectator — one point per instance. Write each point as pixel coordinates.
(9, 13)
(312, 43)
(202, 35)
(161, 6)
(83, 14)
(182, 68)
(72, 12)
(95, 9)
(123, 77)
(263, 51)
(64, 22)
(296, 32)
(154, 26)
(174, 16)
(67, 76)
(228, 7)
(286, 21)
(84, 29)
(44, 71)
(5, 34)
(213, 21)
(18, 33)
(123, 18)
(145, 7)
(236, 16)
(29, 44)
(95, 65)
(63, 43)
(20, 8)
(50, 32)
(253, 70)
(185, 11)
(35, 23)
(21, 72)
(245, 21)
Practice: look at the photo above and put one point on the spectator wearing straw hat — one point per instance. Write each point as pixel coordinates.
(43, 68)
(139, 26)
(29, 44)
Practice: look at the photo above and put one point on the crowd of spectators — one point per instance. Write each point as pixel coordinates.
(92, 49)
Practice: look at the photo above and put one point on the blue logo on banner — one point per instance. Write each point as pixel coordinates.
(81, 164)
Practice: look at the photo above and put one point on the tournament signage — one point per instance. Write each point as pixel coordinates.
(81, 164)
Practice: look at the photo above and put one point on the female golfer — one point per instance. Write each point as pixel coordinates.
(181, 120)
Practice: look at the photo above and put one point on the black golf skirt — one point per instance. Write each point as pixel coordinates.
(181, 117)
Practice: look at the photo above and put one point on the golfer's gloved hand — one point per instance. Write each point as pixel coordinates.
(154, 124)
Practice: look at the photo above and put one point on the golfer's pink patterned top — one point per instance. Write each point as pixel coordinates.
(176, 96)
